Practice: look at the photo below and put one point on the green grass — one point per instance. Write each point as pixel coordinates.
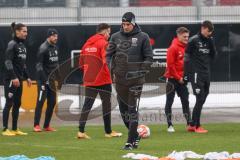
(64, 146)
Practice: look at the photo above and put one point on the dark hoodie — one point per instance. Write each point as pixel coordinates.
(128, 54)
(47, 63)
(15, 60)
(93, 62)
(198, 55)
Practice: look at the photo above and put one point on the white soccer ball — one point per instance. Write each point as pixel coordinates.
(143, 131)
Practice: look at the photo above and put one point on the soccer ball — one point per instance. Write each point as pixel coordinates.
(143, 131)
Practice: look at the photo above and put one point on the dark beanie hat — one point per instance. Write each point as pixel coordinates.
(51, 31)
(129, 17)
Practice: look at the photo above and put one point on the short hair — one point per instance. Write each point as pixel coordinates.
(208, 24)
(182, 30)
(102, 26)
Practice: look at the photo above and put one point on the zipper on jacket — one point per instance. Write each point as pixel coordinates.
(195, 78)
(40, 95)
(10, 85)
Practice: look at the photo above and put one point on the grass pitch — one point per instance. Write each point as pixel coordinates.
(63, 144)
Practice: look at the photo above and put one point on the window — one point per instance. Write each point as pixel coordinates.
(100, 3)
(11, 3)
(46, 3)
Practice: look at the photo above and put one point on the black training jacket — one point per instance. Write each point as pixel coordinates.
(47, 62)
(129, 54)
(198, 55)
(15, 60)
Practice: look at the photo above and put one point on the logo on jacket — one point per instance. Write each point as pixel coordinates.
(201, 44)
(10, 95)
(22, 56)
(53, 59)
(91, 49)
(134, 42)
(204, 51)
(22, 53)
(22, 50)
(180, 54)
(197, 90)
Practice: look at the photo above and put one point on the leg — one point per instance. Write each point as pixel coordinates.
(206, 89)
(51, 102)
(90, 94)
(105, 95)
(203, 100)
(133, 104)
(122, 97)
(170, 94)
(9, 91)
(199, 92)
(16, 106)
(184, 95)
(40, 101)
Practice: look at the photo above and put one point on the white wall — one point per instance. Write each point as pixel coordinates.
(113, 14)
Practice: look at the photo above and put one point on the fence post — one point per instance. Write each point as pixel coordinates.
(25, 3)
(124, 3)
(79, 10)
(197, 4)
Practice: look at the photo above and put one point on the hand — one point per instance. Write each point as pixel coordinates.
(43, 87)
(16, 82)
(146, 65)
(29, 82)
(113, 78)
(59, 85)
(181, 81)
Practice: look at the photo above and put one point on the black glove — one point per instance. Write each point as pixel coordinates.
(146, 66)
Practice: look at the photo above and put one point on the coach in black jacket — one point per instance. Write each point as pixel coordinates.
(130, 55)
(199, 53)
(47, 70)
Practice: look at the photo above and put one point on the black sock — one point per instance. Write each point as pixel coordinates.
(81, 129)
(170, 124)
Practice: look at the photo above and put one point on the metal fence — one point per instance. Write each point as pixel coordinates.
(95, 11)
(115, 3)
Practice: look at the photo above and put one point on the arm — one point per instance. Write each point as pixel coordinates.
(147, 50)
(147, 53)
(26, 75)
(187, 56)
(59, 78)
(189, 50)
(25, 72)
(110, 54)
(171, 58)
(39, 66)
(81, 59)
(102, 48)
(9, 54)
(213, 51)
(111, 51)
(58, 72)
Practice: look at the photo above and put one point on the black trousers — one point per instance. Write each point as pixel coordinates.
(200, 85)
(182, 91)
(48, 93)
(91, 93)
(13, 97)
(128, 100)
